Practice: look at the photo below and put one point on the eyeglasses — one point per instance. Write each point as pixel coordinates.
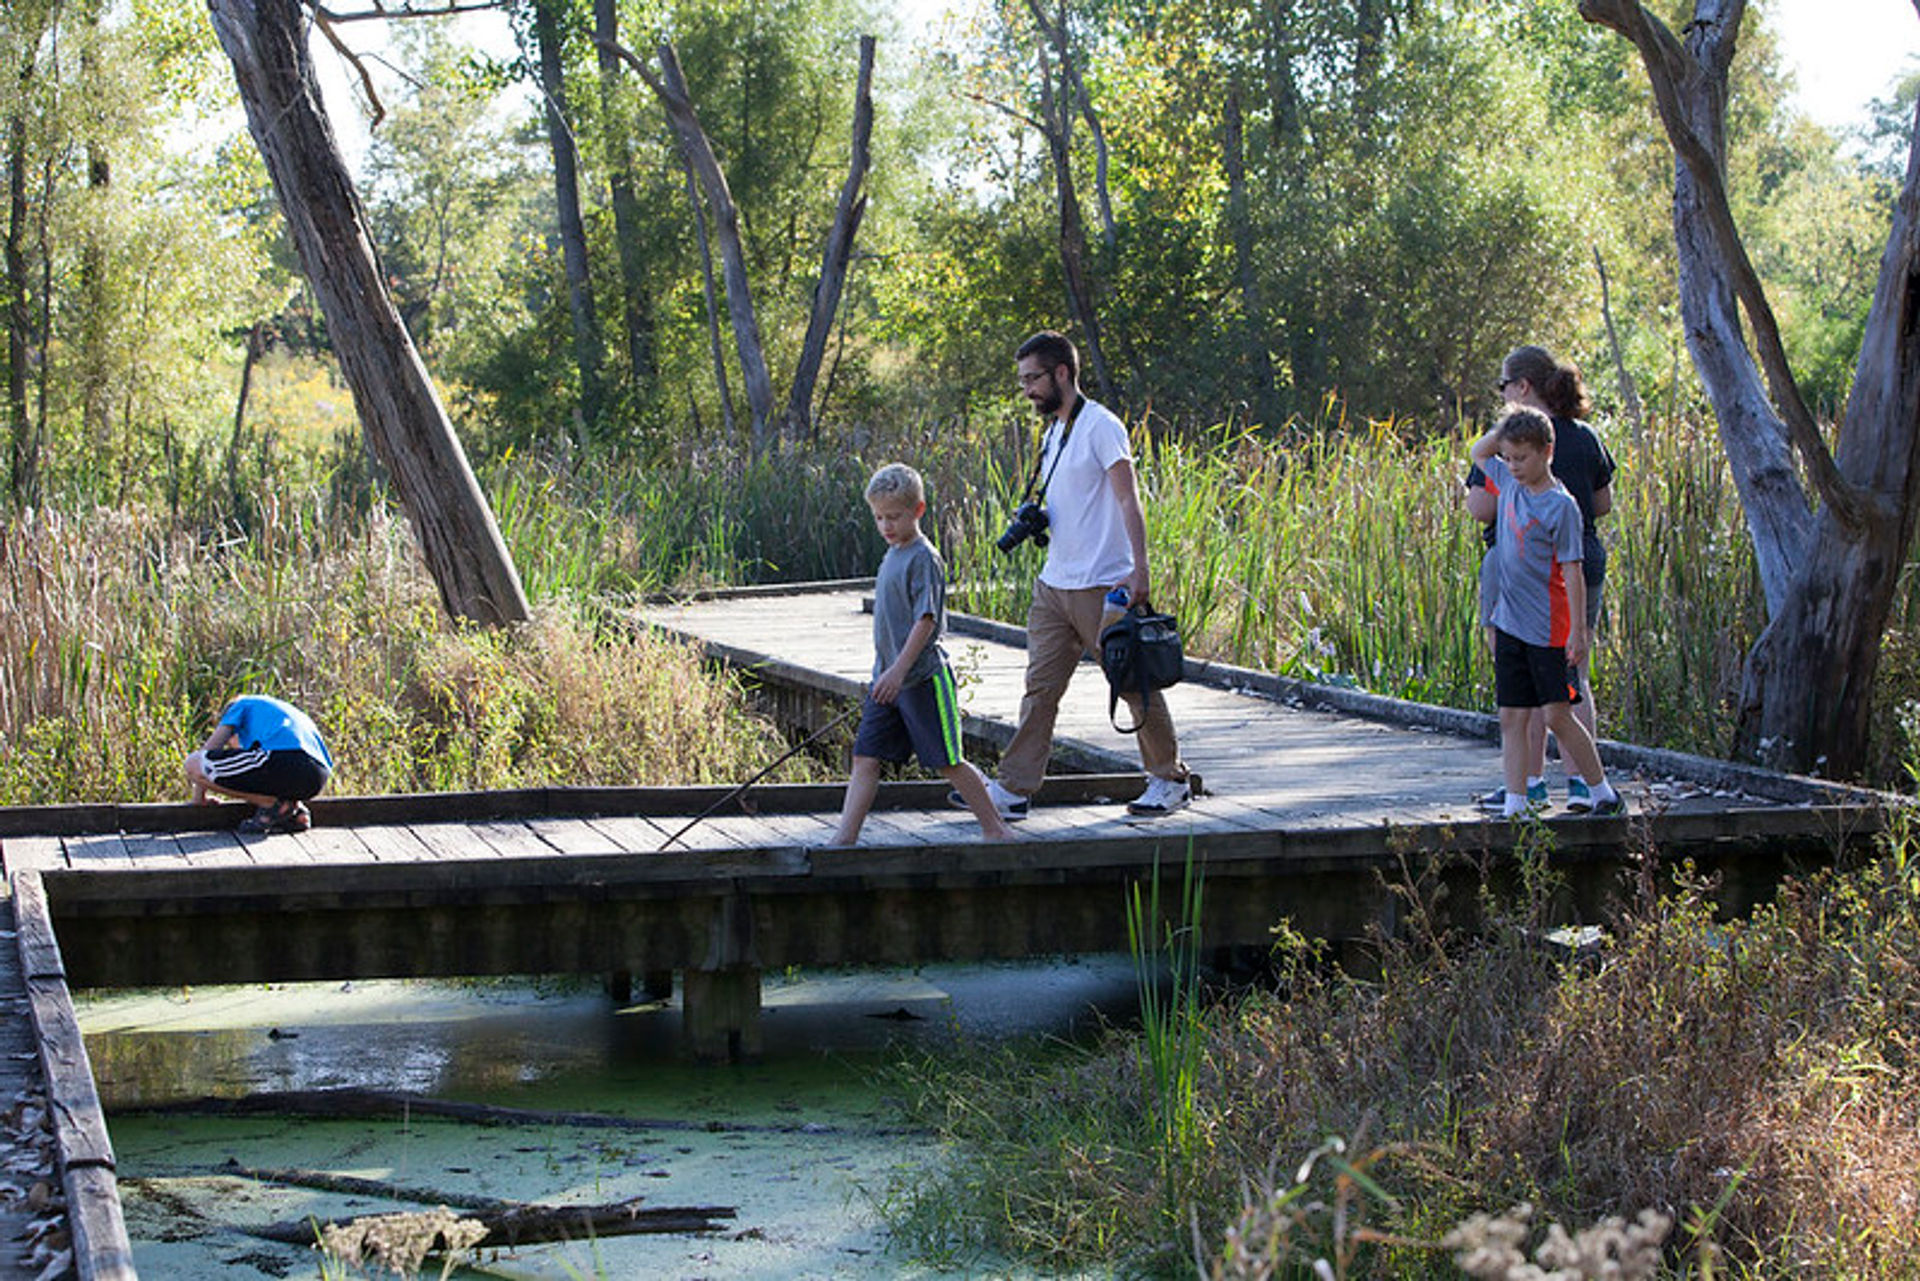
(1501, 386)
(1038, 375)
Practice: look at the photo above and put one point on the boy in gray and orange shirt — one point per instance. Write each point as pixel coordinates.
(1539, 610)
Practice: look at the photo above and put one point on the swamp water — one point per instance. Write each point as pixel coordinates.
(799, 1142)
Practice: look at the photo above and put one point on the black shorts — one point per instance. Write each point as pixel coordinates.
(288, 774)
(1531, 675)
(924, 720)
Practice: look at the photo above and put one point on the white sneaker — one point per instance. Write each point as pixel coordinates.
(1012, 805)
(1162, 797)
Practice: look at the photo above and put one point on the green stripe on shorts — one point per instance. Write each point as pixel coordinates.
(947, 698)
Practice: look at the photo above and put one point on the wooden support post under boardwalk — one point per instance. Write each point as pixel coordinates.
(720, 998)
(720, 1013)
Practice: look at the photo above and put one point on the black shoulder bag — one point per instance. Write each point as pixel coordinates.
(1140, 652)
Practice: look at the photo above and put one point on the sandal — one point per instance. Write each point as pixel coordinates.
(281, 816)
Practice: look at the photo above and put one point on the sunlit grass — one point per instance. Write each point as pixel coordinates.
(126, 634)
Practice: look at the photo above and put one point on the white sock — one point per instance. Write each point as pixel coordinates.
(1536, 780)
(1515, 805)
(1602, 792)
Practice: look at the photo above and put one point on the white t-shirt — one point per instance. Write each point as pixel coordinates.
(1088, 546)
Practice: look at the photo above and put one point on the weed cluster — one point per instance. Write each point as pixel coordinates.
(1750, 1079)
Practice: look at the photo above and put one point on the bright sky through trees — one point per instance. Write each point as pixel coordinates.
(1846, 52)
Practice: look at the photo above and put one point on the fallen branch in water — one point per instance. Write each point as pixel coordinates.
(510, 1223)
(352, 1185)
(386, 1103)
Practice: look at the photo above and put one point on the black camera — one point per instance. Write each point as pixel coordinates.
(1029, 521)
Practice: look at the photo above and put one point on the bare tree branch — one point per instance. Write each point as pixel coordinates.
(383, 13)
(847, 214)
(325, 21)
(1669, 65)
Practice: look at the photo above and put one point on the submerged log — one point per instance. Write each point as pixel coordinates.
(334, 1104)
(516, 1223)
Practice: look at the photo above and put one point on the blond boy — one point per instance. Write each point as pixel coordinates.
(912, 707)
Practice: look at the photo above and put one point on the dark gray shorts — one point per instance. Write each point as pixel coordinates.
(288, 774)
(924, 720)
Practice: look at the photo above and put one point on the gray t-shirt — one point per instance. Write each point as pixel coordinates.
(1536, 536)
(911, 584)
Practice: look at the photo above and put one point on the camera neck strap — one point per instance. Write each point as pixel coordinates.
(1079, 403)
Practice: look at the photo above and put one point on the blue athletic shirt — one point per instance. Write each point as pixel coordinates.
(259, 721)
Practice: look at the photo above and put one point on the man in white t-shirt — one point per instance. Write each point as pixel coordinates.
(1097, 540)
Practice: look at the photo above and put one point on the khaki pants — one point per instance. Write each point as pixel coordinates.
(1061, 627)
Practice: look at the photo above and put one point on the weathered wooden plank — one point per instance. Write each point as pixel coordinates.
(101, 1248)
(79, 1126)
(151, 847)
(909, 828)
(573, 836)
(512, 840)
(33, 853)
(453, 841)
(336, 845)
(391, 843)
(101, 849)
(33, 925)
(792, 829)
(634, 834)
(713, 832)
(214, 849)
(281, 849)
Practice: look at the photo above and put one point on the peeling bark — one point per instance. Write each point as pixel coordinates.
(399, 409)
(1829, 559)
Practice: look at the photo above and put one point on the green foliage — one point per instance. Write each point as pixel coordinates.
(1172, 1031)
(1725, 1069)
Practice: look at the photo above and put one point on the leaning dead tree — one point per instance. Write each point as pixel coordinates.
(400, 411)
(669, 85)
(838, 253)
(1830, 526)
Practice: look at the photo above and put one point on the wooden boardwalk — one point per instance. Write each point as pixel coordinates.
(1285, 753)
(1312, 794)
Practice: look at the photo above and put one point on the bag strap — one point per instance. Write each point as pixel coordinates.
(1133, 616)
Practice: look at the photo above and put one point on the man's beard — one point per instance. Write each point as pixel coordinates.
(1049, 405)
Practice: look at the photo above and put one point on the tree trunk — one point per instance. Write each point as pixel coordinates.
(25, 469)
(1629, 394)
(589, 352)
(1056, 112)
(715, 348)
(1253, 314)
(399, 409)
(1829, 573)
(637, 308)
(838, 252)
(95, 373)
(670, 86)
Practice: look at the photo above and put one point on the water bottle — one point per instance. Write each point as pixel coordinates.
(1116, 605)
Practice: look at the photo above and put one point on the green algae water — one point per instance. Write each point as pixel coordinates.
(797, 1144)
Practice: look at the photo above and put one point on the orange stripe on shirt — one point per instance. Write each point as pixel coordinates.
(1560, 607)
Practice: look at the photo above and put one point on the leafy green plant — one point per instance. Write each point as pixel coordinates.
(1172, 1032)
